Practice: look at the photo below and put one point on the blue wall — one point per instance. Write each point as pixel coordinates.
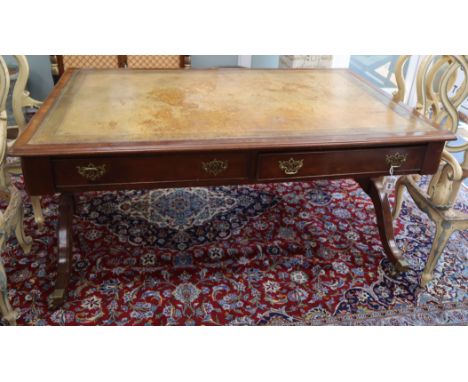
(220, 61)
(40, 77)
(265, 62)
(213, 61)
(40, 81)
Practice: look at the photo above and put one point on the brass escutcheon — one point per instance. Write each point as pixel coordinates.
(291, 166)
(215, 166)
(91, 171)
(396, 160)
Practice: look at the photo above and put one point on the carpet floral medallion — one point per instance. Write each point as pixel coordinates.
(273, 254)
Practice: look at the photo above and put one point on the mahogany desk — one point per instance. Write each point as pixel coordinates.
(123, 129)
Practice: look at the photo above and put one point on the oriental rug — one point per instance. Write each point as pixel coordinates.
(273, 254)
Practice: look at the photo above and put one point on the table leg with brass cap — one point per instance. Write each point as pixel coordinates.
(58, 296)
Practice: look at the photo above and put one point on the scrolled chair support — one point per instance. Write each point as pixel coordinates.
(6, 311)
(435, 79)
(21, 99)
(11, 220)
(444, 190)
(399, 94)
(446, 220)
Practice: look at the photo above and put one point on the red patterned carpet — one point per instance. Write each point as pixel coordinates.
(291, 253)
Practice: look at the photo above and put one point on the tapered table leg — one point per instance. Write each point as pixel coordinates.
(64, 251)
(374, 188)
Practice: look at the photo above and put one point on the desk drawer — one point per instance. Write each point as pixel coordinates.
(149, 169)
(350, 162)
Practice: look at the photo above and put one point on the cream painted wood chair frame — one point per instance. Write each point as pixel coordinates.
(435, 80)
(11, 220)
(22, 99)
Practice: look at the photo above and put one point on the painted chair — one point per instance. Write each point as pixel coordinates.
(88, 62)
(61, 63)
(21, 100)
(441, 87)
(11, 220)
(157, 62)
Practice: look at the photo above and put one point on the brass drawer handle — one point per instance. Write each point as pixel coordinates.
(215, 167)
(91, 171)
(396, 160)
(291, 166)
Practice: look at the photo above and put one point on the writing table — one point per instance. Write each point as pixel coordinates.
(124, 129)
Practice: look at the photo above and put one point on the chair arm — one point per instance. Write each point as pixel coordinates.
(453, 163)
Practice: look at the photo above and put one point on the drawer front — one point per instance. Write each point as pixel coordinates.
(150, 169)
(351, 162)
